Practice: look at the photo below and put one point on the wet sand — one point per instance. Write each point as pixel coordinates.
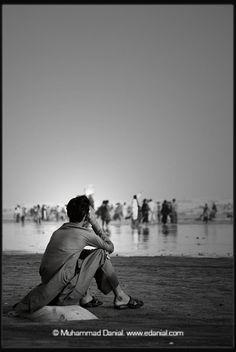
(192, 295)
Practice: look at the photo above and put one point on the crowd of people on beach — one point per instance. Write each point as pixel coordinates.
(139, 212)
(145, 212)
(149, 212)
(39, 213)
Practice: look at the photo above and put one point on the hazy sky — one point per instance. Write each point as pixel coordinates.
(129, 98)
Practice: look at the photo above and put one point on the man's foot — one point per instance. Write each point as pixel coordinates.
(133, 303)
(121, 299)
(90, 302)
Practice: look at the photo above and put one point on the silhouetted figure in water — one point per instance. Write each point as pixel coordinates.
(17, 213)
(118, 212)
(152, 211)
(174, 211)
(105, 215)
(44, 212)
(158, 212)
(205, 214)
(145, 212)
(135, 212)
(165, 212)
(213, 211)
(38, 214)
(22, 217)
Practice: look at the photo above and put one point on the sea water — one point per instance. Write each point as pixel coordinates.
(194, 240)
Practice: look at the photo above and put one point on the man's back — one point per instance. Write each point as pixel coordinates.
(69, 239)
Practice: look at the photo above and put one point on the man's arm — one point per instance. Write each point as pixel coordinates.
(98, 230)
(93, 221)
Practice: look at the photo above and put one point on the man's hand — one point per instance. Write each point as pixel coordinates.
(91, 216)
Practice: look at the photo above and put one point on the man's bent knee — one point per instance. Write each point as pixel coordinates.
(99, 250)
(102, 252)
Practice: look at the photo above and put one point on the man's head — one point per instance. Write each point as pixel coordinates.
(77, 208)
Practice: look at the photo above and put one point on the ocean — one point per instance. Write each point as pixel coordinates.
(192, 240)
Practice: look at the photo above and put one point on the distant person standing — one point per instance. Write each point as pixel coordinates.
(44, 212)
(118, 212)
(134, 212)
(57, 212)
(164, 212)
(145, 212)
(125, 210)
(105, 215)
(174, 217)
(152, 216)
(38, 214)
(17, 213)
(169, 211)
(22, 215)
(205, 214)
(158, 212)
(48, 210)
(213, 211)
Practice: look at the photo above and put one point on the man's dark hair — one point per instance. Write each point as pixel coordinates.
(77, 208)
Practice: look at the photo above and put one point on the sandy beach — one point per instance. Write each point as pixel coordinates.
(191, 298)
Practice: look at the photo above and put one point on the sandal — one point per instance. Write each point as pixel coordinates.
(132, 304)
(93, 303)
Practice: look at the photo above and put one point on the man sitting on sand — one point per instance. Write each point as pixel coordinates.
(67, 269)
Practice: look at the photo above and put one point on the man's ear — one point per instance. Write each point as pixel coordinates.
(85, 218)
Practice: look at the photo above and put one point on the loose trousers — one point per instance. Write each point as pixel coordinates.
(72, 281)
